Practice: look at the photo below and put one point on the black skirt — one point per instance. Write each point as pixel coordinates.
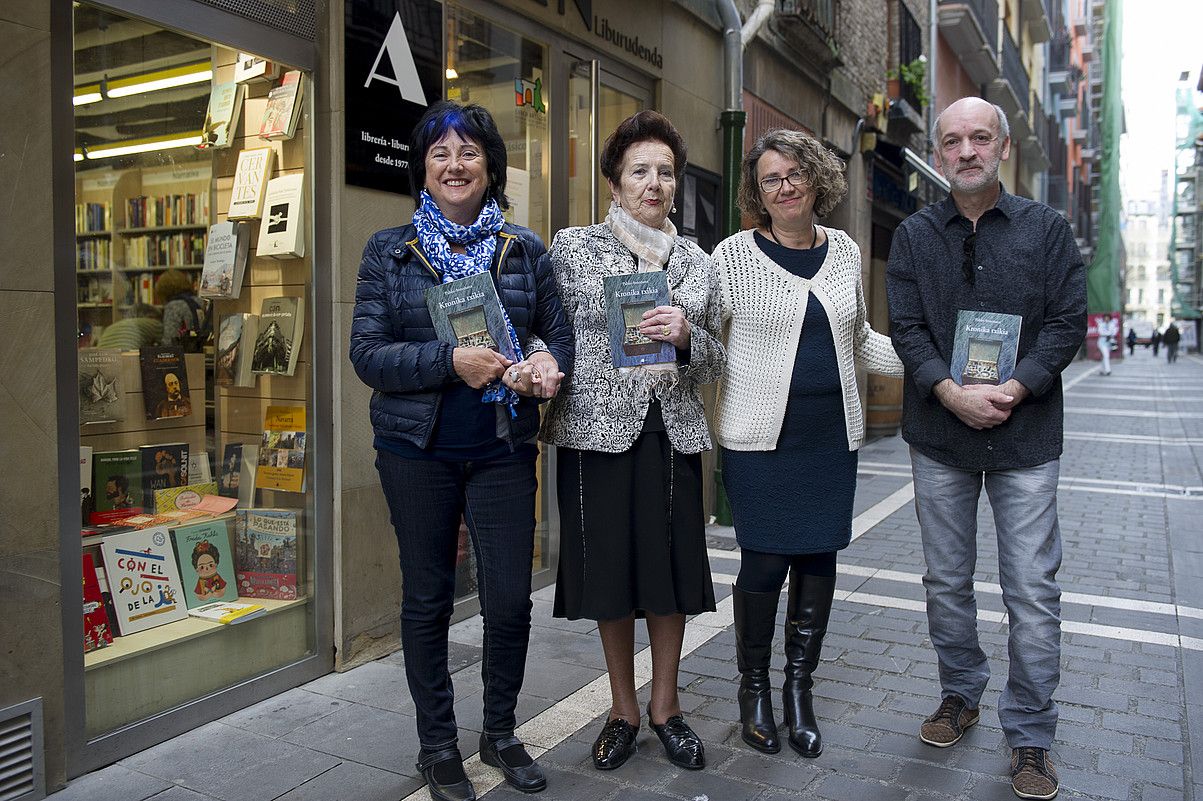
(632, 537)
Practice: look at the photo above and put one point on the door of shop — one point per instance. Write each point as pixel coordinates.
(597, 100)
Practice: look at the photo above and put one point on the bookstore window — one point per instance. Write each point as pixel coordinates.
(506, 73)
(193, 280)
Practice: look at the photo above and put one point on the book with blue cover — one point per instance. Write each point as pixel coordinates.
(467, 313)
(985, 347)
(627, 298)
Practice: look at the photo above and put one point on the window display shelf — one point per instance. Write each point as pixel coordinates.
(171, 633)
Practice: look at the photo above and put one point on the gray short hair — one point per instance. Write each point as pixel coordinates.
(1004, 127)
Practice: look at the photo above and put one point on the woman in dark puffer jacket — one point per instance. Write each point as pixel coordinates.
(455, 428)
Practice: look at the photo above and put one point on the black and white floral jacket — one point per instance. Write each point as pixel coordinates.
(600, 409)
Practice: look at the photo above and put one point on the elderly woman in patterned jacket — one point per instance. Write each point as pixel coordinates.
(789, 418)
(629, 472)
(455, 429)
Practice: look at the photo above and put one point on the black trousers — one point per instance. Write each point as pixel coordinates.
(497, 500)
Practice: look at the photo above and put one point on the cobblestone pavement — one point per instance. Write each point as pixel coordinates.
(1131, 693)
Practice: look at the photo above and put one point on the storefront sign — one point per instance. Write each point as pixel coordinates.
(393, 53)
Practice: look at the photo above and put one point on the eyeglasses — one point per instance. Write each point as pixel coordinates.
(970, 248)
(796, 178)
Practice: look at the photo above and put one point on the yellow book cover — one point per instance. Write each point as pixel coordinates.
(282, 452)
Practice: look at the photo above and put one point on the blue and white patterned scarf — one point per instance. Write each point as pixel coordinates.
(436, 234)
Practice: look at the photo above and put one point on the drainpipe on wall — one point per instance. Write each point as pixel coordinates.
(736, 36)
(933, 24)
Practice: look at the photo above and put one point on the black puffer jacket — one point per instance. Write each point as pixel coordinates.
(394, 348)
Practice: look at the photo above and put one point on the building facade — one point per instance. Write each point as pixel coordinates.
(129, 163)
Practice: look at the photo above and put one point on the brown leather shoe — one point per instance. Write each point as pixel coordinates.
(1033, 774)
(948, 723)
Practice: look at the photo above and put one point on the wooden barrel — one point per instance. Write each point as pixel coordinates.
(883, 406)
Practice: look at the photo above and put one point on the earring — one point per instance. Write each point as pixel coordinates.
(674, 209)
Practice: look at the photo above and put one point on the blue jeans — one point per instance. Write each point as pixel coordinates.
(497, 501)
(1029, 554)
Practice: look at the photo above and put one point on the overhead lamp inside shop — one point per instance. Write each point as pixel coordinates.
(170, 78)
(143, 145)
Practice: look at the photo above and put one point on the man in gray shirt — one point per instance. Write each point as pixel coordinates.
(986, 250)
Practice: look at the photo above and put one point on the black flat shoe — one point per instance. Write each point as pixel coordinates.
(614, 745)
(444, 774)
(683, 747)
(520, 771)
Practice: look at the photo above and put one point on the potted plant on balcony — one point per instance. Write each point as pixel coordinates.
(914, 75)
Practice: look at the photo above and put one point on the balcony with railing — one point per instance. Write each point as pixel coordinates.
(1011, 89)
(810, 25)
(1036, 13)
(971, 29)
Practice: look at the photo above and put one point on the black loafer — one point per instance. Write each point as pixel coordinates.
(614, 745)
(461, 790)
(527, 777)
(684, 748)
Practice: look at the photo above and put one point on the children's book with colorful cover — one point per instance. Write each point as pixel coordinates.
(265, 542)
(97, 630)
(143, 578)
(206, 562)
(282, 451)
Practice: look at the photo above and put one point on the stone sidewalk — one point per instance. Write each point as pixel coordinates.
(1131, 694)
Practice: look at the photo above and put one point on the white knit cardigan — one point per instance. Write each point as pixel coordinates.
(766, 306)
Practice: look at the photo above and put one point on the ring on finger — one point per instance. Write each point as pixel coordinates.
(666, 330)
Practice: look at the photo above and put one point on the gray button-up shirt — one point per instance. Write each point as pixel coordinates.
(1023, 260)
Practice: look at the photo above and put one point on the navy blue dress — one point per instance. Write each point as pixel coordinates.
(797, 499)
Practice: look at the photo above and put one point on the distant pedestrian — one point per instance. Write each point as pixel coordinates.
(1108, 330)
(1131, 341)
(1171, 338)
(971, 251)
(1156, 340)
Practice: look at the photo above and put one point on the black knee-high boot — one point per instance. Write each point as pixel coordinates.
(755, 621)
(808, 610)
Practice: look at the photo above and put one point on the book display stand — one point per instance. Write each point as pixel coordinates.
(135, 218)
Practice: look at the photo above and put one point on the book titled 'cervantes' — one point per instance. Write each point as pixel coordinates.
(100, 398)
(985, 347)
(282, 452)
(467, 313)
(142, 575)
(284, 104)
(278, 343)
(265, 542)
(225, 260)
(282, 232)
(627, 298)
(164, 382)
(250, 183)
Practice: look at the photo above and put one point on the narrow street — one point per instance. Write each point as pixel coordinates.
(1131, 693)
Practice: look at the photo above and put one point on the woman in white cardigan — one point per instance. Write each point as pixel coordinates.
(789, 417)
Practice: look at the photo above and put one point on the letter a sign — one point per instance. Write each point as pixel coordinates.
(393, 53)
(396, 49)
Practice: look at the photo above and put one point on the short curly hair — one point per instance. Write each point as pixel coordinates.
(823, 171)
(641, 127)
(171, 283)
